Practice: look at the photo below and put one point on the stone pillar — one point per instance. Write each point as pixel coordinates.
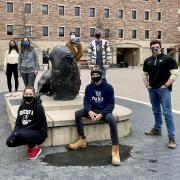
(114, 55)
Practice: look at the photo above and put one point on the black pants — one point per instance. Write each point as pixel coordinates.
(12, 69)
(25, 137)
(109, 118)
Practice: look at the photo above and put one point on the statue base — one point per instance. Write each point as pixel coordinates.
(61, 123)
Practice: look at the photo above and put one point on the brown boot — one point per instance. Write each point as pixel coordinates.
(80, 143)
(153, 132)
(172, 143)
(115, 155)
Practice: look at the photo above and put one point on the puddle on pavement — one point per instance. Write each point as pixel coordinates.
(91, 156)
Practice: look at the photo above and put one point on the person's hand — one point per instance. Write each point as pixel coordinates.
(92, 115)
(19, 74)
(107, 66)
(98, 117)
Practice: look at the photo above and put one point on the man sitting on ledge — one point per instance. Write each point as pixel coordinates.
(98, 105)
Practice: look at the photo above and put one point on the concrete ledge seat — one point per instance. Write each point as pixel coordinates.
(61, 123)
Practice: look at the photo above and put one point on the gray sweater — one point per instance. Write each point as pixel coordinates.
(28, 61)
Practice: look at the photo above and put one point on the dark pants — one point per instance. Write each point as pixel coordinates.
(109, 118)
(28, 78)
(12, 69)
(25, 137)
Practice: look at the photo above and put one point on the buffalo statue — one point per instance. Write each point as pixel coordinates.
(63, 80)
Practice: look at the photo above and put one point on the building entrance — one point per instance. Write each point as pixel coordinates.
(127, 57)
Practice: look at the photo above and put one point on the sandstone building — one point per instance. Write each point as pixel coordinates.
(129, 25)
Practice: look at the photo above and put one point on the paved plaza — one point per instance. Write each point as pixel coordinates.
(150, 158)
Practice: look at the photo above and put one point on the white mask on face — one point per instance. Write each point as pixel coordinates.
(156, 51)
(73, 37)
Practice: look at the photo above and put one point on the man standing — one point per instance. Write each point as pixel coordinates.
(75, 46)
(99, 53)
(159, 73)
(98, 105)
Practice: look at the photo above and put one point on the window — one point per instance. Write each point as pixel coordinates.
(45, 9)
(10, 30)
(77, 11)
(120, 14)
(92, 32)
(134, 34)
(27, 8)
(106, 33)
(146, 15)
(9, 7)
(120, 33)
(61, 10)
(92, 12)
(158, 16)
(159, 35)
(61, 31)
(146, 34)
(133, 14)
(28, 31)
(45, 31)
(77, 31)
(106, 13)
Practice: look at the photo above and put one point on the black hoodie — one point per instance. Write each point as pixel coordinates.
(31, 116)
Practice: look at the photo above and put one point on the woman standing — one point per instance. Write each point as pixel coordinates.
(28, 62)
(11, 66)
(31, 126)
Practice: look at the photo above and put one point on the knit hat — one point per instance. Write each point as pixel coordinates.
(96, 69)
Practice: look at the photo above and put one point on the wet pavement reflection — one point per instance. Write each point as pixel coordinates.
(93, 155)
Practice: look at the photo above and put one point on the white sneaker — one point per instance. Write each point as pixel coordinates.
(8, 94)
(15, 93)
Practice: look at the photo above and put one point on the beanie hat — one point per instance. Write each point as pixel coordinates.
(96, 69)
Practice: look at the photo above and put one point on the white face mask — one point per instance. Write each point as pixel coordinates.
(156, 51)
(73, 36)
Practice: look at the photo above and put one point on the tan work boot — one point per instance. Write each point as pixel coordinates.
(115, 155)
(171, 143)
(81, 143)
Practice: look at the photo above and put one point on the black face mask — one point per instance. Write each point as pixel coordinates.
(28, 98)
(12, 46)
(96, 79)
(98, 36)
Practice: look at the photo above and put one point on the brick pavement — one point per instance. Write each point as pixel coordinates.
(151, 159)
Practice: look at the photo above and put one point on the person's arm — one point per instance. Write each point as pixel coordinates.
(18, 122)
(110, 102)
(19, 63)
(108, 53)
(36, 60)
(146, 78)
(87, 100)
(89, 55)
(5, 61)
(80, 52)
(173, 69)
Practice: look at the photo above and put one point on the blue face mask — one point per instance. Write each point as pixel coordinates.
(26, 44)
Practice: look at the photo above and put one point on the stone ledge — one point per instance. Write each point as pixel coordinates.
(61, 123)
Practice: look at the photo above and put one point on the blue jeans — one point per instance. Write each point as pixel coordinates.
(161, 99)
(109, 118)
(28, 78)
